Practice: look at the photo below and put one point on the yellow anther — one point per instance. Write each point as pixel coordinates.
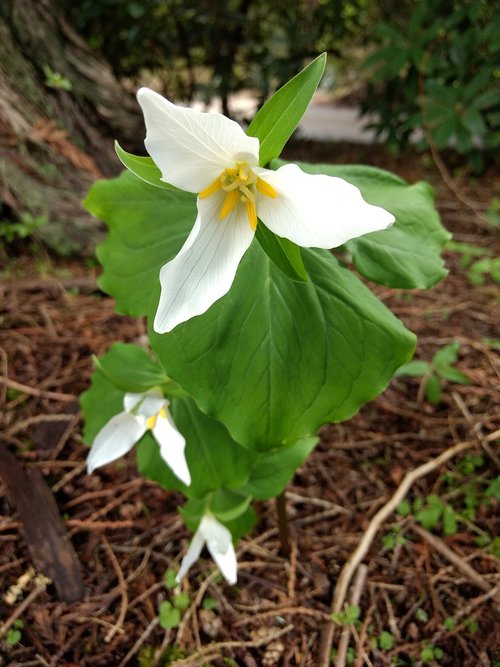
(151, 422)
(230, 202)
(266, 189)
(251, 214)
(212, 189)
(241, 184)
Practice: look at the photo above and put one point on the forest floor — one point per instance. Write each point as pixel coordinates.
(429, 594)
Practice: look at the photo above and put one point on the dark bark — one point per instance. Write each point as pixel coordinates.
(55, 142)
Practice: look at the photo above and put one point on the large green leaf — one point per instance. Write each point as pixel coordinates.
(271, 471)
(130, 368)
(275, 122)
(407, 255)
(147, 227)
(274, 359)
(99, 403)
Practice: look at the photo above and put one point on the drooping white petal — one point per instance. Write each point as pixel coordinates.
(192, 555)
(204, 269)
(192, 148)
(317, 211)
(220, 546)
(115, 439)
(172, 445)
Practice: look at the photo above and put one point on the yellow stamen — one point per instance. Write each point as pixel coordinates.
(151, 421)
(211, 190)
(266, 189)
(251, 214)
(240, 183)
(230, 202)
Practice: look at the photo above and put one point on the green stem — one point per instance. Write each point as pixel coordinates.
(284, 532)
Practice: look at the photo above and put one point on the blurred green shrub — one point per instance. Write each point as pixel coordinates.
(439, 70)
(206, 48)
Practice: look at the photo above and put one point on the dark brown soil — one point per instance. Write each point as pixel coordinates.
(127, 532)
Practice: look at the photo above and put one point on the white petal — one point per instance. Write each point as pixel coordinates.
(131, 400)
(145, 405)
(220, 546)
(192, 148)
(204, 269)
(172, 445)
(315, 210)
(192, 555)
(114, 440)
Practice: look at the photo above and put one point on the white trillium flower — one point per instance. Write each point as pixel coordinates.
(142, 412)
(220, 545)
(210, 155)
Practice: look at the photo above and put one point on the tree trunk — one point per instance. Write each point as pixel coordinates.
(60, 109)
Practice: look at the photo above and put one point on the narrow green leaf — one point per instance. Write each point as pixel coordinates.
(275, 122)
(143, 167)
(447, 355)
(452, 374)
(433, 389)
(414, 368)
(283, 253)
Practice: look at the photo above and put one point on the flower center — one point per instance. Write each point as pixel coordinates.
(151, 422)
(241, 184)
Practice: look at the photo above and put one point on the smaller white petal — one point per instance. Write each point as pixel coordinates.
(192, 148)
(220, 546)
(130, 401)
(316, 210)
(172, 446)
(204, 269)
(192, 555)
(114, 440)
(146, 405)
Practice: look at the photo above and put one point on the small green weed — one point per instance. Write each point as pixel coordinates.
(478, 261)
(347, 617)
(14, 634)
(433, 373)
(393, 538)
(493, 212)
(56, 79)
(430, 654)
(170, 611)
(24, 228)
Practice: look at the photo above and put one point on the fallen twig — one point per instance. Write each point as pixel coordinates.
(40, 585)
(118, 626)
(33, 391)
(355, 596)
(214, 650)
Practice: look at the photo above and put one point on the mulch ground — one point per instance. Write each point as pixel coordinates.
(434, 593)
